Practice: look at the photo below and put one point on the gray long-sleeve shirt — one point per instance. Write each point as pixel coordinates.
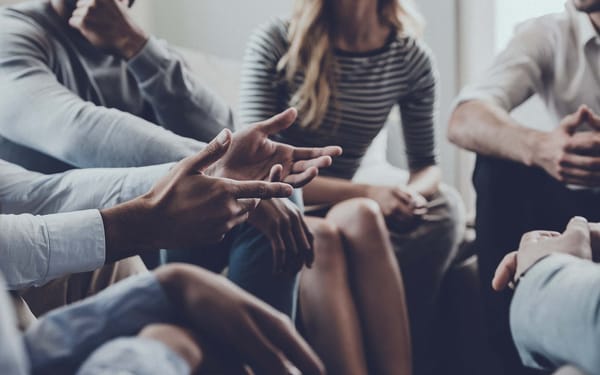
(555, 314)
(63, 103)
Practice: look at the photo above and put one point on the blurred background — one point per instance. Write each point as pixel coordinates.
(463, 34)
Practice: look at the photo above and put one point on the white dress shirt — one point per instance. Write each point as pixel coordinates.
(556, 56)
(37, 249)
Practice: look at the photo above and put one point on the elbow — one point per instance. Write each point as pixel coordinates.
(458, 124)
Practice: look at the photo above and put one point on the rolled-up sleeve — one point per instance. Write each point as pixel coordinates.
(555, 314)
(37, 249)
(134, 356)
(62, 340)
(518, 71)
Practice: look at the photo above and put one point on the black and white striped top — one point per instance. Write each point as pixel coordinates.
(367, 86)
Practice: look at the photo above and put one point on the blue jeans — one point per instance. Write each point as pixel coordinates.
(248, 254)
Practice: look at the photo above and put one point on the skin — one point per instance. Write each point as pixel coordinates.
(568, 156)
(352, 245)
(221, 314)
(107, 25)
(579, 239)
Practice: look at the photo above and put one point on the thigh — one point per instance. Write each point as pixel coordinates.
(251, 267)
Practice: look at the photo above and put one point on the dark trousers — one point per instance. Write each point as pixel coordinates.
(513, 199)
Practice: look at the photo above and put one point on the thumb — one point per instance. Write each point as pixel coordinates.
(578, 226)
(210, 154)
(572, 121)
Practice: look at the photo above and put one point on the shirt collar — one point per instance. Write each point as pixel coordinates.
(584, 27)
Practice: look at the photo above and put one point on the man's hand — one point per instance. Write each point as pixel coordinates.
(291, 240)
(107, 25)
(253, 154)
(398, 205)
(186, 208)
(575, 240)
(569, 156)
(249, 329)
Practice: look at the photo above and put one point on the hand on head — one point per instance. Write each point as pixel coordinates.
(576, 240)
(253, 154)
(107, 25)
(573, 156)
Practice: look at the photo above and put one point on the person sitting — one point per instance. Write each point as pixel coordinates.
(554, 315)
(174, 321)
(531, 175)
(96, 86)
(344, 65)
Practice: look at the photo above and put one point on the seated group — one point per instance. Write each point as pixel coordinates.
(112, 150)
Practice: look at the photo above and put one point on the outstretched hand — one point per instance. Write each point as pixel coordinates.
(252, 154)
(576, 240)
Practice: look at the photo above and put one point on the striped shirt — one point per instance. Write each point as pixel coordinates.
(367, 86)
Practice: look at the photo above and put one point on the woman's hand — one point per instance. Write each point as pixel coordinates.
(291, 240)
(398, 204)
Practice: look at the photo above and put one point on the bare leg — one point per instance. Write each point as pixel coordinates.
(377, 284)
(327, 309)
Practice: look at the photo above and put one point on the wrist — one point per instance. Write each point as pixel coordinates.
(532, 154)
(128, 228)
(132, 43)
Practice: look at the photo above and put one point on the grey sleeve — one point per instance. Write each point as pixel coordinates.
(180, 102)
(555, 314)
(134, 356)
(61, 341)
(13, 359)
(260, 98)
(38, 112)
(23, 191)
(418, 109)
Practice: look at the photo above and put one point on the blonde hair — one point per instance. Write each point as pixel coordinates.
(310, 52)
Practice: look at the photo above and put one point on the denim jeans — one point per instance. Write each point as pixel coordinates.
(248, 254)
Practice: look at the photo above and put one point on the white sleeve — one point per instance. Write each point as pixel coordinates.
(517, 72)
(37, 249)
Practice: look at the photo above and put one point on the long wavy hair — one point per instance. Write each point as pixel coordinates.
(310, 51)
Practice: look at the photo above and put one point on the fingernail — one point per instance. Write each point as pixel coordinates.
(293, 370)
(580, 218)
(223, 137)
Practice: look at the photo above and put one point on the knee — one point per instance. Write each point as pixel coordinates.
(178, 340)
(329, 251)
(360, 214)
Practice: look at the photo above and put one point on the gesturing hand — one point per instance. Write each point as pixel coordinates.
(253, 154)
(575, 240)
(186, 208)
(569, 156)
(106, 24)
(252, 331)
(291, 240)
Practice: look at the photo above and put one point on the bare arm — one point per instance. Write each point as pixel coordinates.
(487, 129)
(425, 181)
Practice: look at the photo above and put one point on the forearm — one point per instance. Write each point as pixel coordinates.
(555, 315)
(63, 339)
(23, 191)
(129, 229)
(489, 130)
(37, 249)
(181, 103)
(331, 190)
(425, 181)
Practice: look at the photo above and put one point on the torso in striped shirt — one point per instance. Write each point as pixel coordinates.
(367, 86)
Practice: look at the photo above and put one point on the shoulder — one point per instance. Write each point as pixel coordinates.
(415, 56)
(21, 29)
(541, 32)
(270, 39)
